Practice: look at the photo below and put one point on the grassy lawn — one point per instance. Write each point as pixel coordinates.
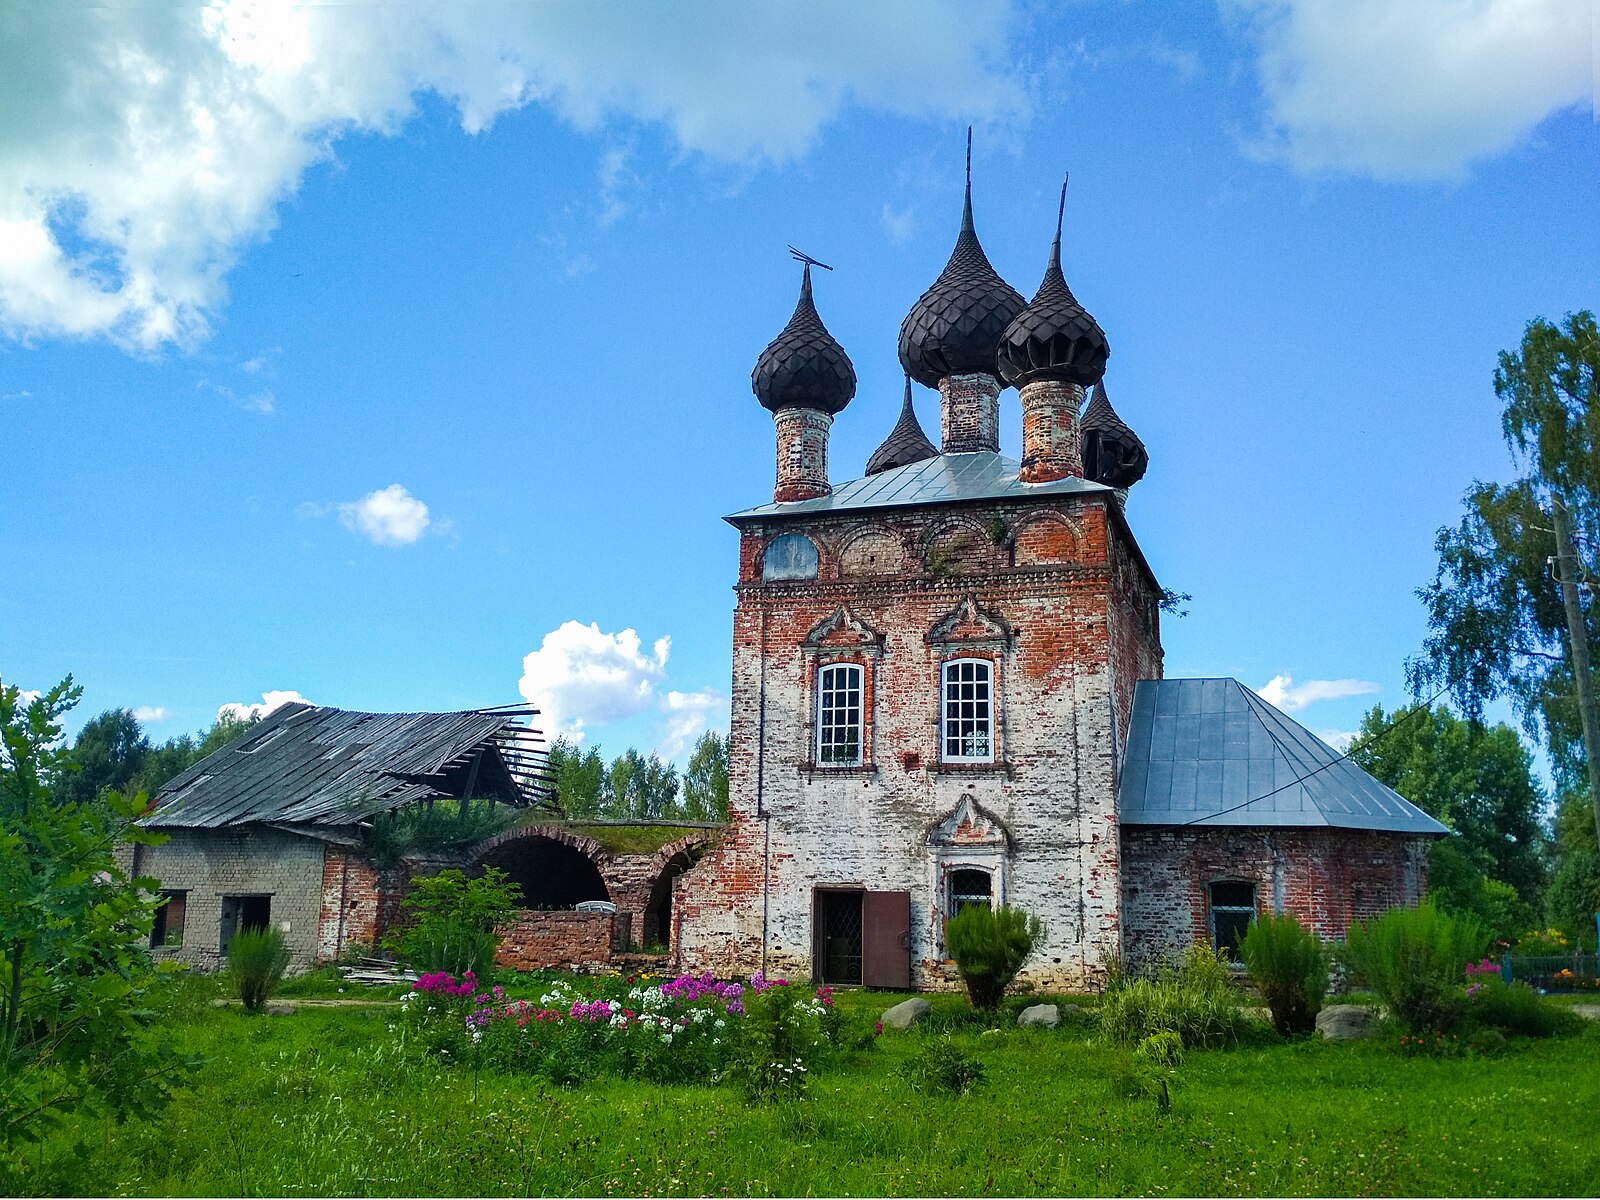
(323, 1102)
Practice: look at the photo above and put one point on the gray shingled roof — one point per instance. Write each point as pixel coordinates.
(325, 766)
(947, 479)
(1210, 752)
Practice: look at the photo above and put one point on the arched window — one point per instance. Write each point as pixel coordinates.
(967, 716)
(839, 711)
(970, 886)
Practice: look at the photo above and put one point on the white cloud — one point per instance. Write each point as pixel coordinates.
(1415, 89)
(390, 516)
(161, 138)
(1339, 739)
(22, 395)
(1281, 691)
(580, 676)
(270, 702)
(899, 224)
(151, 712)
(688, 715)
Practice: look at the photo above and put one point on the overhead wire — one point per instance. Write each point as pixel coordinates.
(1365, 745)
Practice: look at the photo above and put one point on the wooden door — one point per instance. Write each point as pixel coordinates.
(886, 939)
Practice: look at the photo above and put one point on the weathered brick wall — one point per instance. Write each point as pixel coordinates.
(570, 940)
(1044, 570)
(1051, 445)
(251, 860)
(969, 413)
(360, 903)
(802, 435)
(1324, 877)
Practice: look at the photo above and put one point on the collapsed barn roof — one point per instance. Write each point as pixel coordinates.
(308, 765)
(1210, 753)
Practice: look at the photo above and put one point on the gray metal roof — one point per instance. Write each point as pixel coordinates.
(980, 475)
(1210, 752)
(325, 766)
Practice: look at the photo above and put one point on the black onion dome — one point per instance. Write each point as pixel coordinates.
(1054, 337)
(956, 325)
(1112, 453)
(804, 367)
(906, 442)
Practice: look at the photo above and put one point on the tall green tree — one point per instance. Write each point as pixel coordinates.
(580, 778)
(705, 780)
(75, 972)
(106, 755)
(1477, 779)
(640, 789)
(1497, 624)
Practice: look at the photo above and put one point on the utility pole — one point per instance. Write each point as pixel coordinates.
(1578, 638)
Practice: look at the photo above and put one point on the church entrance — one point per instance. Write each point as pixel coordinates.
(860, 937)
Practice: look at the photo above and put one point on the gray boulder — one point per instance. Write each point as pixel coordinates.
(1346, 1022)
(1047, 1016)
(906, 1014)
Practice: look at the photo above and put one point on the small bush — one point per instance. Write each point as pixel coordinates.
(1195, 1010)
(257, 959)
(1290, 968)
(452, 919)
(1207, 972)
(1519, 1011)
(778, 1042)
(941, 1066)
(1415, 959)
(990, 946)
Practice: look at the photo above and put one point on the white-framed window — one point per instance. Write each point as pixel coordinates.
(839, 715)
(967, 711)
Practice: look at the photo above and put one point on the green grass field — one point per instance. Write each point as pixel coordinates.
(322, 1102)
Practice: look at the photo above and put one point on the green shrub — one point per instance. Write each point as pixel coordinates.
(452, 920)
(1206, 972)
(990, 946)
(257, 959)
(1289, 967)
(1199, 1013)
(942, 1067)
(1415, 959)
(1518, 1010)
(778, 1042)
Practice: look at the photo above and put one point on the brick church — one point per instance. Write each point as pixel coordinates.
(947, 686)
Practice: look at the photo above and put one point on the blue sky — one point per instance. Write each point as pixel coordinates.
(362, 351)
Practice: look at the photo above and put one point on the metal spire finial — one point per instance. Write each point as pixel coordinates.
(966, 206)
(802, 256)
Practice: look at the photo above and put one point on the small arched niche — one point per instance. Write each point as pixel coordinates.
(789, 556)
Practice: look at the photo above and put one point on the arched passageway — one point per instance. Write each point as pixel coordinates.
(551, 874)
(658, 913)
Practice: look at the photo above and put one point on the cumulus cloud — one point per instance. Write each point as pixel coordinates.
(151, 712)
(161, 138)
(390, 516)
(688, 715)
(1281, 691)
(270, 702)
(580, 677)
(1412, 90)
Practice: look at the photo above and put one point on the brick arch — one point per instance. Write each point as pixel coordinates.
(852, 546)
(563, 881)
(983, 552)
(1046, 538)
(656, 916)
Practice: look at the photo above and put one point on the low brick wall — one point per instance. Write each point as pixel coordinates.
(565, 940)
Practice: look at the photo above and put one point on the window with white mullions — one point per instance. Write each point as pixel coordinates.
(968, 724)
(839, 715)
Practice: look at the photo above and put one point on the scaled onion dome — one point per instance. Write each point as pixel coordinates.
(804, 367)
(1112, 453)
(906, 442)
(956, 325)
(1054, 337)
